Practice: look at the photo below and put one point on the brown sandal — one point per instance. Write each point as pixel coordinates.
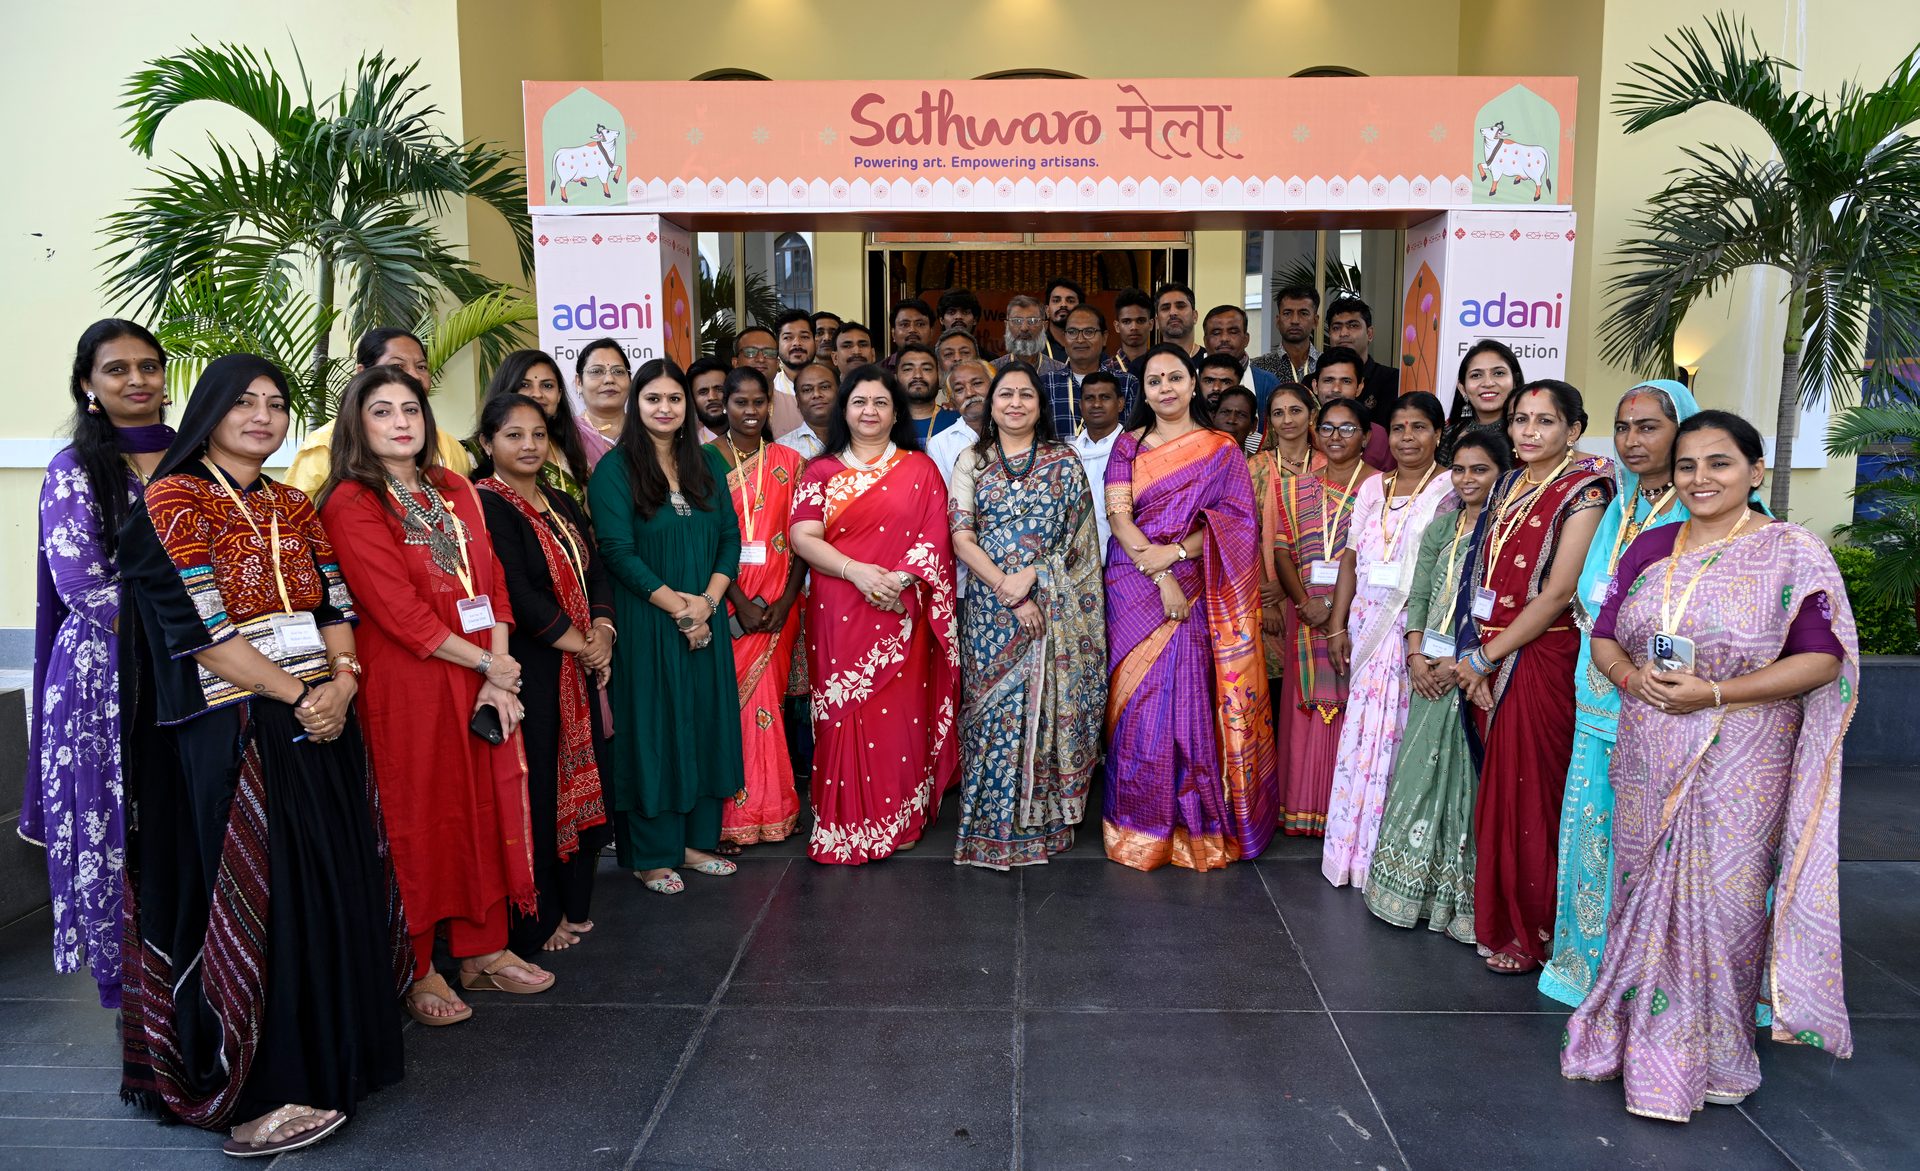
(489, 978)
(435, 985)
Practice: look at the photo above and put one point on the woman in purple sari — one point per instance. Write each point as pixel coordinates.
(1733, 646)
(72, 803)
(1191, 768)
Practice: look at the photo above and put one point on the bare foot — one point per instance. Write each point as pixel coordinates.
(560, 940)
(520, 973)
(583, 927)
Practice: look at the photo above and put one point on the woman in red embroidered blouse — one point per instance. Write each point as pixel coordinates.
(414, 547)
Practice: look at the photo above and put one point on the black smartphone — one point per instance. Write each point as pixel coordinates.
(486, 724)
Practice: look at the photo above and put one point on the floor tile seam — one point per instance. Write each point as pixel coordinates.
(1881, 968)
(1792, 1162)
(1378, 1110)
(706, 1020)
(22, 918)
(1017, 1159)
(11, 1065)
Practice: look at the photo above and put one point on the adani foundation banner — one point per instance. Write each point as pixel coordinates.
(1485, 274)
(1088, 145)
(627, 277)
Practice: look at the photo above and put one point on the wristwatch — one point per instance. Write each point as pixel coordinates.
(349, 661)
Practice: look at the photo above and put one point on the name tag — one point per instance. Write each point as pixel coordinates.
(297, 633)
(753, 553)
(1323, 573)
(476, 614)
(1435, 645)
(1597, 595)
(1383, 575)
(1483, 603)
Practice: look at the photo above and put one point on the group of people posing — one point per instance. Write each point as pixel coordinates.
(292, 738)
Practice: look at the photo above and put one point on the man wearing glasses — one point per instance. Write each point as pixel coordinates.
(755, 346)
(1340, 375)
(1027, 337)
(1086, 339)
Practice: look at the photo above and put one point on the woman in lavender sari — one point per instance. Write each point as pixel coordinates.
(1191, 775)
(72, 803)
(1726, 784)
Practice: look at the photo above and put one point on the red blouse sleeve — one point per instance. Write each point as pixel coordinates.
(809, 496)
(186, 533)
(369, 550)
(338, 606)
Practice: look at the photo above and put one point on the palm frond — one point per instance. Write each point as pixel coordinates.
(495, 178)
(1733, 71)
(1858, 428)
(1342, 280)
(205, 317)
(232, 75)
(499, 314)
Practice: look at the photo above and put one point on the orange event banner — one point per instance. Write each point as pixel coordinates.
(1287, 144)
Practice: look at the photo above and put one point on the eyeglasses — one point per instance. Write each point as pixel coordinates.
(1025, 321)
(759, 352)
(603, 371)
(1343, 430)
(1084, 332)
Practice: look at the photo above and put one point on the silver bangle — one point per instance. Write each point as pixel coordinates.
(485, 664)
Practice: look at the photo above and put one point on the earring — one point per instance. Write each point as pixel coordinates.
(93, 404)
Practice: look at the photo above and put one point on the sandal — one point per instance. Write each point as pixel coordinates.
(667, 884)
(1714, 1099)
(713, 867)
(489, 979)
(1506, 963)
(435, 985)
(263, 1142)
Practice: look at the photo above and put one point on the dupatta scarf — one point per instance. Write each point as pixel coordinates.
(1199, 480)
(1404, 529)
(761, 490)
(1312, 522)
(581, 804)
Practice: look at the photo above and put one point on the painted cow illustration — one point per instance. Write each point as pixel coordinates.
(580, 164)
(1505, 158)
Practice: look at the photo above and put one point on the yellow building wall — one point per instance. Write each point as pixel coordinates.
(61, 89)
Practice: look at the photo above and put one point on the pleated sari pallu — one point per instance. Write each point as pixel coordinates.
(886, 686)
(1526, 741)
(1715, 812)
(1316, 695)
(1190, 778)
(1032, 707)
(761, 490)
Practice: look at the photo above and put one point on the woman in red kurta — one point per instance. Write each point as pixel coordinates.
(870, 518)
(433, 640)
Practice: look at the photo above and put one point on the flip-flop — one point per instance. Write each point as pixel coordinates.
(256, 1149)
(488, 979)
(435, 985)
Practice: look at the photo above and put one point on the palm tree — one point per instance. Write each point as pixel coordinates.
(1342, 279)
(1836, 208)
(717, 326)
(330, 220)
(1892, 529)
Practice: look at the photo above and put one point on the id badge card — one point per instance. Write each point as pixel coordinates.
(1597, 595)
(753, 553)
(1383, 575)
(1435, 645)
(1483, 603)
(1323, 573)
(297, 634)
(1671, 652)
(476, 614)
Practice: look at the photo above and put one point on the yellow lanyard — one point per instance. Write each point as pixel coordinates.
(464, 571)
(1504, 528)
(1453, 556)
(576, 559)
(273, 544)
(1669, 615)
(1632, 528)
(748, 505)
(1326, 513)
(1389, 538)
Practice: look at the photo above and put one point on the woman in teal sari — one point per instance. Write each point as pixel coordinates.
(1644, 426)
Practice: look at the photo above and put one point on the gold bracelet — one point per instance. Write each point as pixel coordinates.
(1609, 672)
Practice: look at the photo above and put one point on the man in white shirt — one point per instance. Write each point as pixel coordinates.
(793, 337)
(967, 384)
(815, 386)
(1100, 410)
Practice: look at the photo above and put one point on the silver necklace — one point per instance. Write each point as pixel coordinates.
(848, 458)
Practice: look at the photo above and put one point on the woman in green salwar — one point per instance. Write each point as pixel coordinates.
(669, 539)
(1423, 862)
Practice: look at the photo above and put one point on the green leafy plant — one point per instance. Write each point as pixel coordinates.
(328, 218)
(1342, 279)
(717, 323)
(1836, 208)
(1886, 626)
(1891, 531)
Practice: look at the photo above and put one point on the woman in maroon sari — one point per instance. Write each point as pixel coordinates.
(1516, 663)
(870, 518)
(1191, 770)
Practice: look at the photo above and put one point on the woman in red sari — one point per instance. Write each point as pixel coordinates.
(761, 478)
(1516, 663)
(870, 517)
(411, 538)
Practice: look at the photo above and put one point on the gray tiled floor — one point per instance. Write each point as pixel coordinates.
(911, 1015)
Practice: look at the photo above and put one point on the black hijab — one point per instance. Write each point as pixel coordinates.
(220, 386)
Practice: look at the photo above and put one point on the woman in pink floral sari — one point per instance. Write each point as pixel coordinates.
(1734, 649)
(870, 518)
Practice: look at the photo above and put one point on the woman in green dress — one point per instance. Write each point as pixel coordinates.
(668, 536)
(1423, 862)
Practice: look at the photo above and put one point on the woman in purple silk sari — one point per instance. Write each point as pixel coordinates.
(1727, 788)
(1191, 768)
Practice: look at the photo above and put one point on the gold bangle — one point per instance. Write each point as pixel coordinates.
(1609, 673)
